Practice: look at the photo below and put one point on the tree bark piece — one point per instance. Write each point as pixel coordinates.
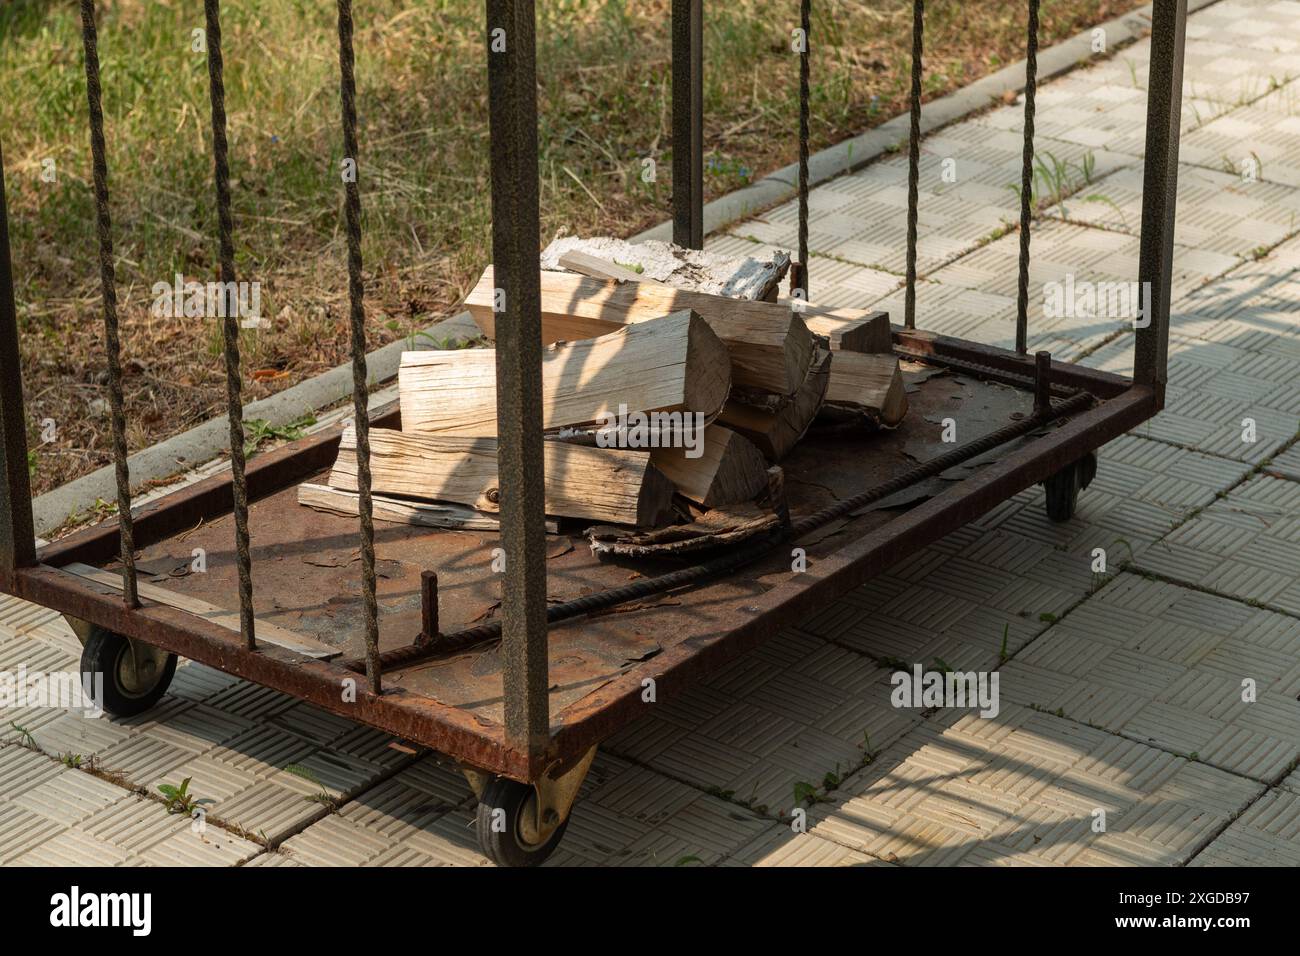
(776, 432)
(584, 263)
(872, 384)
(729, 469)
(721, 527)
(672, 364)
(601, 484)
(770, 346)
(693, 270)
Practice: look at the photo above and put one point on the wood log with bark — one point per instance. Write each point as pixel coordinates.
(770, 346)
(672, 364)
(601, 484)
(849, 330)
(728, 469)
(777, 432)
(429, 514)
(868, 384)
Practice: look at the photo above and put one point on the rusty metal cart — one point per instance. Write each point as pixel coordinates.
(522, 701)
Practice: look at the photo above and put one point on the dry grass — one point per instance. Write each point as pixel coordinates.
(603, 103)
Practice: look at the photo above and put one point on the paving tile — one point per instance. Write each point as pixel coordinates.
(134, 825)
(73, 847)
(1257, 139)
(195, 681)
(22, 770)
(860, 218)
(1245, 544)
(143, 759)
(778, 845)
(1292, 781)
(1267, 834)
(273, 859)
(70, 797)
(1217, 211)
(335, 841)
(756, 731)
(1172, 676)
(21, 830)
(210, 847)
(1029, 787)
(266, 810)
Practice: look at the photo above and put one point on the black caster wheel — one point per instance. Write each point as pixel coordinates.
(1063, 487)
(132, 680)
(507, 830)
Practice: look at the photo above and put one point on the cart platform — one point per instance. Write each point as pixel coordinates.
(307, 573)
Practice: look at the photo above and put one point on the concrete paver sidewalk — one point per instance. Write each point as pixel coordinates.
(1123, 735)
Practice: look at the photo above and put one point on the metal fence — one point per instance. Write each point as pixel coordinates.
(511, 49)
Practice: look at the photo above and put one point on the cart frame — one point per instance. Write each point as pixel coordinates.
(533, 743)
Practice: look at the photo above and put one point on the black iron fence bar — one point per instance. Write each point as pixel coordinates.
(1027, 180)
(17, 538)
(357, 313)
(108, 290)
(1159, 191)
(516, 231)
(799, 281)
(688, 123)
(914, 160)
(230, 320)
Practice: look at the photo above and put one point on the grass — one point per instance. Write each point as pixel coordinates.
(604, 108)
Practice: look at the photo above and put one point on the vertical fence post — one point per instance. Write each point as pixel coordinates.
(688, 123)
(914, 159)
(108, 293)
(516, 231)
(1027, 181)
(230, 320)
(17, 539)
(799, 271)
(357, 320)
(1160, 191)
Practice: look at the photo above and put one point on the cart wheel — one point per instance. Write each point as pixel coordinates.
(507, 837)
(1063, 487)
(133, 681)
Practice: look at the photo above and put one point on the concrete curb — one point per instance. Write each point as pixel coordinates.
(853, 154)
(205, 442)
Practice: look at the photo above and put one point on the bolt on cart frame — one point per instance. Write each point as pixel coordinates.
(529, 755)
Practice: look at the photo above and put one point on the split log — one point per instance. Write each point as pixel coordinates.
(771, 348)
(776, 432)
(428, 514)
(850, 330)
(693, 270)
(673, 364)
(729, 469)
(871, 384)
(601, 484)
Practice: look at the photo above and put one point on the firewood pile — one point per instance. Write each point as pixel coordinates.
(673, 384)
